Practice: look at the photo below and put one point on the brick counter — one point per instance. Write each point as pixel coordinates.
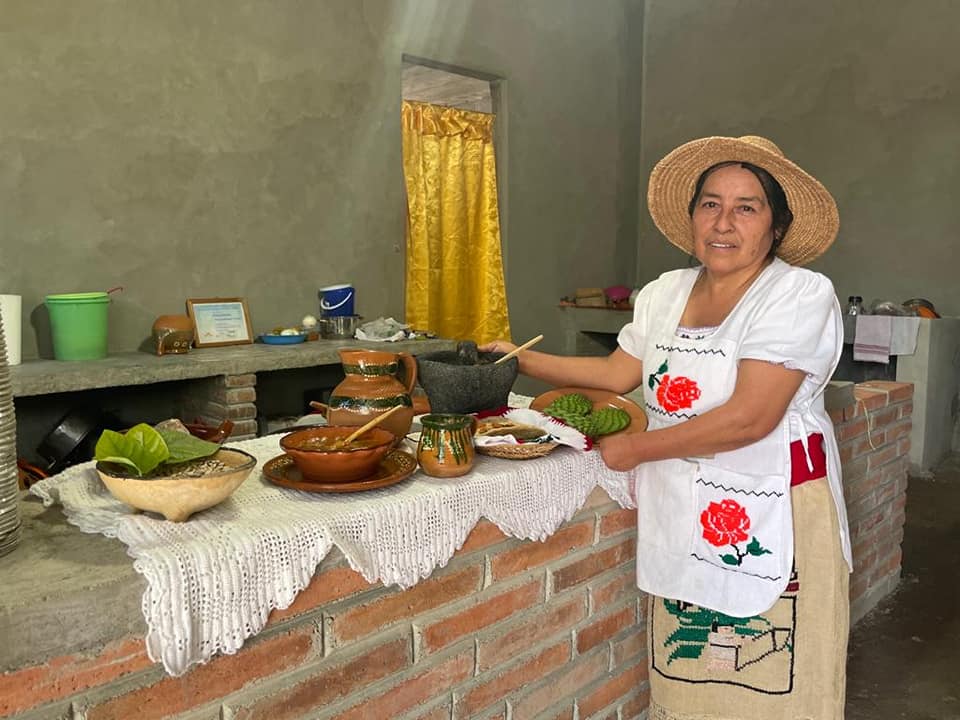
(507, 629)
(540, 625)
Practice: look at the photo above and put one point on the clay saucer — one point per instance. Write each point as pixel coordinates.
(600, 399)
(395, 467)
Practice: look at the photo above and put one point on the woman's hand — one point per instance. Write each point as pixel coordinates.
(618, 452)
(497, 346)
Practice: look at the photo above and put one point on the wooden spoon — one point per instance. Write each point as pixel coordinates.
(363, 428)
(517, 351)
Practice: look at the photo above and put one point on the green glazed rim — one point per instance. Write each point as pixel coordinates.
(446, 421)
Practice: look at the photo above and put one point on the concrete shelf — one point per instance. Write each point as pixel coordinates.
(44, 377)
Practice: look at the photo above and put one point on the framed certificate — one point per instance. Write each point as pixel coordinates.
(220, 321)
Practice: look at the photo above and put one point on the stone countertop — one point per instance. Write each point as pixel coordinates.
(64, 591)
(42, 377)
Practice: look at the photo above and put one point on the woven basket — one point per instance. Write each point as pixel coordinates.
(524, 451)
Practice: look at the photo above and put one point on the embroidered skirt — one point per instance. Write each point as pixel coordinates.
(788, 663)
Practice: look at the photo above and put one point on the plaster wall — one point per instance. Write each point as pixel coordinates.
(865, 95)
(252, 148)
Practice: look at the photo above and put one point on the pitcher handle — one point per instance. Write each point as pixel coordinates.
(409, 370)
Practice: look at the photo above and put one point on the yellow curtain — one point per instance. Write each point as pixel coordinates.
(454, 277)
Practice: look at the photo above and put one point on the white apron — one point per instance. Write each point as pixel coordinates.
(717, 531)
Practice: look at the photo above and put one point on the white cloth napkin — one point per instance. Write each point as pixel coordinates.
(903, 335)
(382, 330)
(871, 343)
(557, 431)
(880, 336)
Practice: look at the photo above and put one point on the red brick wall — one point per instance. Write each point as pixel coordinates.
(536, 627)
(508, 629)
(874, 437)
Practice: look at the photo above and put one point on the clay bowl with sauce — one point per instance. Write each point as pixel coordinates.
(319, 454)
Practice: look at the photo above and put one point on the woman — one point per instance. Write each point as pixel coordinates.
(742, 539)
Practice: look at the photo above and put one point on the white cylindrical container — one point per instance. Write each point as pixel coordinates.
(10, 313)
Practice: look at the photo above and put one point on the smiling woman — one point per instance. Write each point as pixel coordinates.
(741, 531)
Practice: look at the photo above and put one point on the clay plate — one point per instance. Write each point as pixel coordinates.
(395, 467)
(600, 399)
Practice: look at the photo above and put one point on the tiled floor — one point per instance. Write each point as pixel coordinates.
(905, 655)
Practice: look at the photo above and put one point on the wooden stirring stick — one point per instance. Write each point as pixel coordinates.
(517, 351)
(363, 428)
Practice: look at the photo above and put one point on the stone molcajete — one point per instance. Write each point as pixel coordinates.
(466, 381)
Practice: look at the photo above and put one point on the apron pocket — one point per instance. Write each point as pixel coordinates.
(743, 522)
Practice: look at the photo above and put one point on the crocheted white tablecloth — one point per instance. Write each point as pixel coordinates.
(212, 581)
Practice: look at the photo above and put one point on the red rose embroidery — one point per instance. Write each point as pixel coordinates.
(677, 393)
(725, 523)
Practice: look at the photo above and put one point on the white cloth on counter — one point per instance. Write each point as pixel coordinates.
(878, 337)
(382, 330)
(903, 335)
(556, 431)
(212, 581)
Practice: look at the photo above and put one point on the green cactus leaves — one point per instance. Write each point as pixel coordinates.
(577, 411)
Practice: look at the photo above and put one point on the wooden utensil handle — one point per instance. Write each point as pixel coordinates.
(373, 423)
(518, 350)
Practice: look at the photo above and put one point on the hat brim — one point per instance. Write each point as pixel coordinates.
(673, 180)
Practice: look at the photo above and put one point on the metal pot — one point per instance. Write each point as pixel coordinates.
(59, 447)
(340, 326)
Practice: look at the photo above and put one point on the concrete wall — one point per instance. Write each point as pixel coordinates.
(864, 95)
(252, 148)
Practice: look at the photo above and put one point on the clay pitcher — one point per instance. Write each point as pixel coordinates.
(371, 387)
(446, 445)
(172, 334)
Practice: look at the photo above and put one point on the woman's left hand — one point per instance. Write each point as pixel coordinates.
(617, 451)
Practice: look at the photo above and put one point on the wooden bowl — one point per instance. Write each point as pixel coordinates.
(318, 464)
(177, 498)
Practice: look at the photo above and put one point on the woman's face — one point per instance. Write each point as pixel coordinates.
(732, 222)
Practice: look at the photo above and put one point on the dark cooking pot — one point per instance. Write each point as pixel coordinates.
(66, 438)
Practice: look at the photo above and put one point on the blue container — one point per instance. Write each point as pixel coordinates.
(336, 300)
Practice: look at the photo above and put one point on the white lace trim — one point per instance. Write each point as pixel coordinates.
(212, 581)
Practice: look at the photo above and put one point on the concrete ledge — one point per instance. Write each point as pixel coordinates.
(43, 377)
(64, 591)
(838, 395)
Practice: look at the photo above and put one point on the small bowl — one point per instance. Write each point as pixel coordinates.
(322, 465)
(179, 498)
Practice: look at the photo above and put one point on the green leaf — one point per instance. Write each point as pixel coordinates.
(652, 382)
(730, 559)
(754, 548)
(685, 651)
(184, 446)
(688, 634)
(117, 460)
(663, 368)
(141, 448)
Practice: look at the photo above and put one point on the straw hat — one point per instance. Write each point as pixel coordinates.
(673, 180)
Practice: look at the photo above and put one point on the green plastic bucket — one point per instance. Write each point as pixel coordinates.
(79, 325)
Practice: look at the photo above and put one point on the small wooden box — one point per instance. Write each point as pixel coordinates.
(590, 297)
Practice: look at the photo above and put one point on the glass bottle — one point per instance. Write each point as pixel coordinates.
(854, 308)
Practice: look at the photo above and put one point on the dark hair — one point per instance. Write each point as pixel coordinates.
(776, 198)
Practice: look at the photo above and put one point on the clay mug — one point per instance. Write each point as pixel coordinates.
(172, 334)
(446, 445)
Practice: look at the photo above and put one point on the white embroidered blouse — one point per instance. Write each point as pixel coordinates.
(718, 531)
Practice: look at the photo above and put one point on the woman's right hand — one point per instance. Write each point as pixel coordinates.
(498, 346)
